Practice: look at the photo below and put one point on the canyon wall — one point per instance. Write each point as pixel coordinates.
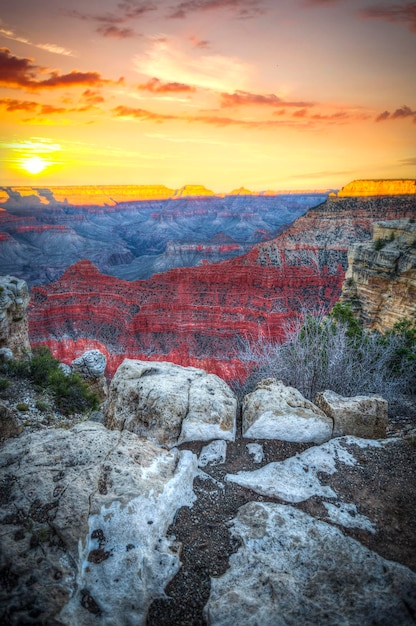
(361, 188)
(381, 278)
(198, 315)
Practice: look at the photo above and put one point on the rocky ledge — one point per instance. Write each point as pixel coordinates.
(110, 527)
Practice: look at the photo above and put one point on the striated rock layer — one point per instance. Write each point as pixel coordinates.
(378, 188)
(381, 279)
(195, 316)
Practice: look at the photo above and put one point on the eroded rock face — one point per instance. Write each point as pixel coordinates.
(294, 569)
(275, 411)
(194, 316)
(360, 416)
(84, 515)
(170, 404)
(380, 283)
(14, 299)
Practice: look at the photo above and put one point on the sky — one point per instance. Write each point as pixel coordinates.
(265, 94)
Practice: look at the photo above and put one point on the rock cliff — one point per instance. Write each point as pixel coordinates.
(195, 316)
(14, 299)
(381, 278)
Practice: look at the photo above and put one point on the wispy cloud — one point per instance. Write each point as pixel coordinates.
(242, 9)
(155, 85)
(168, 59)
(404, 12)
(409, 161)
(199, 43)
(320, 3)
(23, 73)
(141, 114)
(50, 47)
(399, 114)
(244, 98)
(110, 24)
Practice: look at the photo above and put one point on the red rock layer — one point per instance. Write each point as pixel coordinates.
(195, 316)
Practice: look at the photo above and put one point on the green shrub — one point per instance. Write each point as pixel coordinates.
(71, 394)
(4, 384)
(379, 244)
(41, 405)
(22, 406)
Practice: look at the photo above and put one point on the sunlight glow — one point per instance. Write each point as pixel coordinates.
(34, 165)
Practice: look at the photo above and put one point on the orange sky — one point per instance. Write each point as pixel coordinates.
(261, 93)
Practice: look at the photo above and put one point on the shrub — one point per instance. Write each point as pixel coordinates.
(40, 405)
(22, 406)
(333, 352)
(379, 244)
(4, 384)
(70, 392)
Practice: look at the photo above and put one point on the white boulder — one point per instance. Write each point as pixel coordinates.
(360, 416)
(275, 411)
(293, 569)
(91, 364)
(170, 404)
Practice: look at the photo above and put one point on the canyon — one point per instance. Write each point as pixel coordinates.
(133, 232)
(198, 315)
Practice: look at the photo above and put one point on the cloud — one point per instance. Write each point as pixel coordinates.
(12, 105)
(409, 161)
(141, 114)
(212, 120)
(319, 3)
(399, 114)
(165, 59)
(156, 86)
(403, 12)
(22, 72)
(199, 43)
(243, 98)
(243, 9)
(109, 23)
(50, 47)
(115, 32)
(92, 97)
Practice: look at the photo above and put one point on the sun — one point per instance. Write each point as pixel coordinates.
(34, 165)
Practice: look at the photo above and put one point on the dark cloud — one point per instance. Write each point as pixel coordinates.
(399, 114)
(11, 105)
(403, 12)
(244, 9)
(109, 23)
(115, 32)
(409, 161)
(22, 72)
(156, 86)
(243, 98)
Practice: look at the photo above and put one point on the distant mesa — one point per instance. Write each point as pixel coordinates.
(192, 190)
(392, 187)
(241, 192)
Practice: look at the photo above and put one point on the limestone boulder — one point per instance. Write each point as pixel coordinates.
(275, 411)
(84, 515)
(360, 416)
(91, 367)
(91, 364)
(170, 404)
(294, 569)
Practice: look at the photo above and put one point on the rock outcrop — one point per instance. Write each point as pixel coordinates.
(14, 299)
(380, 282)
(360, 416)
(170, 404)
(10, 426)
(382, 187)
(91, 367)
(195, 316)
(84, 515)
(275, 411)
(291, 569)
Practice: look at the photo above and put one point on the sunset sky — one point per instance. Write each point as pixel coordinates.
(268, 94)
